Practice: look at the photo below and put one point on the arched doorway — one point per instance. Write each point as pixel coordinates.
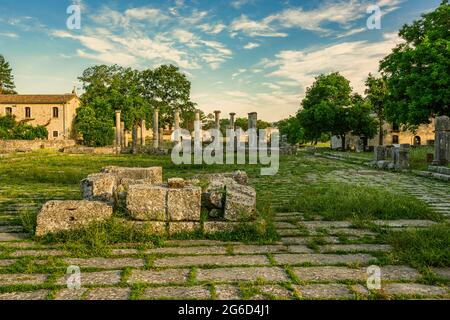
(417, 141)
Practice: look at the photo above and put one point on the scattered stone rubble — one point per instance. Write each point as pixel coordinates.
(153, 206)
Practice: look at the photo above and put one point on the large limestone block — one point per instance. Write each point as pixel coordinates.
(99, 186)
(240, 203)
(214, 195)
(151, 175)
(147, 202)
(56, 216)
(184, 204)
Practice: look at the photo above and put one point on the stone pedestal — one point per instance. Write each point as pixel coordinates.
(442, 142)
(252, 120)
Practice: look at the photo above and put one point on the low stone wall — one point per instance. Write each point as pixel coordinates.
(89, 150)
(8, 146)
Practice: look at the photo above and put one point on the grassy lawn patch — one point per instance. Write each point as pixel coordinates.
(418, 158)
(422, 248)
(345, 201)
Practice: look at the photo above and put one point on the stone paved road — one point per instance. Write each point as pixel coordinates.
(202, 269)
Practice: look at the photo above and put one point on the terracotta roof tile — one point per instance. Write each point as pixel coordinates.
(36, 98)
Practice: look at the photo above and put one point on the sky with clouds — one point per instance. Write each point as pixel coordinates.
(240, 55)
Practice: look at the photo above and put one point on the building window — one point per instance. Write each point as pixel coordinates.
(55, 134)
(395, 127)
(395, 140)
(27, 112)
(8, 111)
(55, 112)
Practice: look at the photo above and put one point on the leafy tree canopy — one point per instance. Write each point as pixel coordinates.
(417, 70)
(7, 85)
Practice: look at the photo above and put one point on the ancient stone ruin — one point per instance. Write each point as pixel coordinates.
(442, 142)
(393, 158)
(209, 203)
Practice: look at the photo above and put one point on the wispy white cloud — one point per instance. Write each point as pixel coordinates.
(9, 34)
(237, 4)
(355, 60)
(251, 45)
(255, 28)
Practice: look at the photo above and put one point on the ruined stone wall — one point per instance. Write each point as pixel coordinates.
(8, 146)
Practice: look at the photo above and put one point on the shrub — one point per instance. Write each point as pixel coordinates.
(11, 129)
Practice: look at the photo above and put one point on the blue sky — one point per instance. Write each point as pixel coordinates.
(240, 55)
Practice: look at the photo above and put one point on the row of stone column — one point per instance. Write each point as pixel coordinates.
(121, 134)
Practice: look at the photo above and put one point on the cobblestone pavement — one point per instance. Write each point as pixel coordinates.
(202, 269)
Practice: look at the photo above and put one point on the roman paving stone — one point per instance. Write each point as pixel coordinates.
(360, 290)
(328, 274)
(285, 225)
(289, 232)
(109, 294)
(288, 214)
(294, 240)
(178, 293)
(255, 249)
(276, 291)
(351, 232)
(269, 274)
(413, 289)
(355, 248)
(29, 295)
(211, 261)
(165, 276)
(442, 272)
(95, 278)
(124, 252)
(404, 223)
(193, 243)
(6, 236)
(322, 259)
(206, 250)
(326, 224)
(23, 245)
(69, 294)
(399, 273)
(324, 291)
(287, 219)
(11, 229)
(39, 253)
(228, 292)
(211, 227)
(299, 249)
(22, 279)
(106, 263)
(7, 262)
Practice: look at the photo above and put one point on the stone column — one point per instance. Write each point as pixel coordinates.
(403, 156)
(217, 121)
(122, 134)
(380, 153)
(161, 136)
(143, 132)
(118, 136)
(125, 139)
(253, 120)
(156, 128)
(177, 119)
(232, 120)
(442, 142)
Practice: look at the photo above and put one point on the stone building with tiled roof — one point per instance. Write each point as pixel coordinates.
(54, 111)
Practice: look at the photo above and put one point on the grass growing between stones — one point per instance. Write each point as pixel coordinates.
(418, 158)
(422, 248)
(345, 201)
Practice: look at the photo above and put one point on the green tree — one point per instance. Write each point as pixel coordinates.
(362, 123)
(167, 89)
(417, 70)
(376, 95)
(325, 108)
(291, 128)
(6, 78)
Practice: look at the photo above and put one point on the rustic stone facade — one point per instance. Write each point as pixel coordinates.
(55, 112)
